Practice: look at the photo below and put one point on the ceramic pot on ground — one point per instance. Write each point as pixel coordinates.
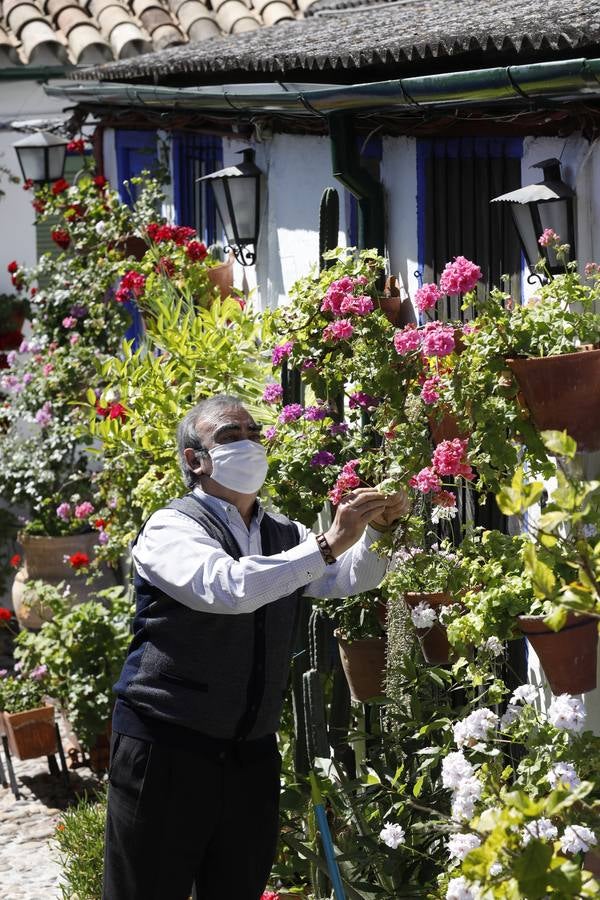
(363, 662)
(563, 393)
(31, 733)
(44, 559)
(568, 657)
(434, 641)
(221, 276)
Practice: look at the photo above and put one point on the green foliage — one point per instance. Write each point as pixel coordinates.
(20, 691)
(79, 842)
(84, 648)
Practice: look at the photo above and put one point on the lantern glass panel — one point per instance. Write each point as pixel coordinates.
(243, 199)
(33, 162)
(524, 225)
(56, 162)
(555, 215)
(219, 189)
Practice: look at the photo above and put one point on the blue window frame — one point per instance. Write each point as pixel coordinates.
(196, 155)
(370, 155)
(136, 150)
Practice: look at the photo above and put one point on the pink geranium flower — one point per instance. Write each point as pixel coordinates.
(340, 330)
(281, 352)
(548, 236)
(438, 339)
(430, 393)
(291, 413)
(427, 296)
(450, 458)
(272, 393)
(427, 481)
(407, 340)
(459, 276)
(84, 510)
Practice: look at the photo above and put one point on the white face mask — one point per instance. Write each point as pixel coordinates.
(240, 466)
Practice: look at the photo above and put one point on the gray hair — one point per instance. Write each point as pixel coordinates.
(187, 436)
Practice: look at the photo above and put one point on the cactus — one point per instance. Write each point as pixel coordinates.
(320, 634)
(339, 720)
(329, 224)
(314, 711)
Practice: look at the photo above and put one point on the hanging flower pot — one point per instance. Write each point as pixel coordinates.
(363, 662)
(221, 276)
(563, 393)
(434, 640)
(31, 733)
(444, 427)
(568, 657)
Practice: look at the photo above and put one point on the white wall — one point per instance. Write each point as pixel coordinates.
(19, 100)
(399, 178)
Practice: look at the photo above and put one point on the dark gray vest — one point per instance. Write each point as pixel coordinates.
(222, 675)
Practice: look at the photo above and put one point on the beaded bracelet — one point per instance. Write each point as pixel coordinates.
(326, 551)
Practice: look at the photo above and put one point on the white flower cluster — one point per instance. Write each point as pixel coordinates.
(568, 713)
(443, 512)
(542, 829)
(459, 845)
(461, 889)
(392, 835)
(577, 839)
(423, 615)
(524, 694)
(476, 727)
(494, 646)
(459, 775)
(563, 773)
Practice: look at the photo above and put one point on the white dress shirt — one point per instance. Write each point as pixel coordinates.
(176, 555)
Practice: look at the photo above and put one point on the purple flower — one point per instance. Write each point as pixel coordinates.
(79, 311)
(281, 352)
(308, 364)
(103, 537)
(39, 672)
(24, 347)
(63, 511)
(338, 428)
(322, 458)
(316, 413)
(363, 401)
(27, 377)
(3, 673)
(44, 415)
(270, 432)
(272, 393)
(11, 358)
(290, 413)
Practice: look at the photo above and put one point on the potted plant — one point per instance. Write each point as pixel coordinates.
(83, 647)
(361, 641)
(28, 719)
(430, 580)
(13, 312)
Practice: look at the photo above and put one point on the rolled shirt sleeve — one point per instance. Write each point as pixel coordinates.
(176, 554)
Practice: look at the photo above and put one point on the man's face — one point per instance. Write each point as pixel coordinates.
(224, 426)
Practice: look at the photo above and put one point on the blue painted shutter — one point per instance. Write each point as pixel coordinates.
(196, 155)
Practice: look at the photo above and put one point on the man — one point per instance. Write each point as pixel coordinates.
(194, 776)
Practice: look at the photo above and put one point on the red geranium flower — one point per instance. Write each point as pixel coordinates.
(78, 560)
(5, 614)
(76, 146)
(15, 561)
(39, 206)
(183, 233)
(27, 184)
(165, 266)
(100, 181)
(196, 251)
(12, 267)
(112, 411)
(61, 237)
(60, 186)
(99, 523)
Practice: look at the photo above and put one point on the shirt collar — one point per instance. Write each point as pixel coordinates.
(223, 508)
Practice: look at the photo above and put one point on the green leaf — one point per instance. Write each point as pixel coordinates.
(556, 619)
(531, 867)
(559, 443)
(418, 786)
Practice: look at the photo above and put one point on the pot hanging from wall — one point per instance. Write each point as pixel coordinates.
(562, 393)
(434, 641)
(363, 662)
(221, 276)
(569, 656)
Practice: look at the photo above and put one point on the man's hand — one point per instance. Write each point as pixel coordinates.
(352, 516)
(398, 505)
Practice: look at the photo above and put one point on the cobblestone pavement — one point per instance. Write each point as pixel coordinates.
(28, 866)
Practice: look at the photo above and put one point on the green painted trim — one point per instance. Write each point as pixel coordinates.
(562, 80)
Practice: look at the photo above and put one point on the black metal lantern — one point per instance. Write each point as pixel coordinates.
(41, 156)
(237, 195)
(535, 207)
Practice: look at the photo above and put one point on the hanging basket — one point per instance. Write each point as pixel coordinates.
(363, 662)
(568, 657)
(444, 428)
(31, 733)
(434, 641)
(562, 393)
(221, 276)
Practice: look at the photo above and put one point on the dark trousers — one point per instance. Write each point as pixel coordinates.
(176, 818)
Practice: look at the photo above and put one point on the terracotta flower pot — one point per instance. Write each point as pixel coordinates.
(44, 559)
(568, 657)
(363, 662)
(31, 733)
(434, 641)
(445, 427)
(221, 276)
(563, 393)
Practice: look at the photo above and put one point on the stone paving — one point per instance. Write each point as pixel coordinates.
(28, 866)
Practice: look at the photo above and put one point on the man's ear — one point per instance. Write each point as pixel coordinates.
(195, 460)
